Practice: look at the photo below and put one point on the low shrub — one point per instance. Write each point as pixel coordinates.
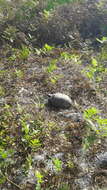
(69, 23)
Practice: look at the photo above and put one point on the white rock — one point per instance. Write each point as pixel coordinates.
(73, 116)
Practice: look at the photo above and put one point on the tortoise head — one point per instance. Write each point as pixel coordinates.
(49, 95)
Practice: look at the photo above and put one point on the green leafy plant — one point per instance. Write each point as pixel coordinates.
(90, 113)
(39, 178)
(95, 71)
(57, 164)
(47, 48)
(102, 126)
(24, 53)
(89, 140)
(96, 126)
(14, 55)
(53, 79)
(52, 66)
(5, 161)
(20, 54)
(19, 73)
(70, 57)
(66, 55)
(47, 14)
(35, 143)
(29, 136)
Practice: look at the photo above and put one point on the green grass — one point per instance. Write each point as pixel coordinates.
(54, 3)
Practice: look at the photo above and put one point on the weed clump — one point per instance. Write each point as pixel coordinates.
(71, 24)
(68, 24)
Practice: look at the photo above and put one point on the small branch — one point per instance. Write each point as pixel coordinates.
(11, 181)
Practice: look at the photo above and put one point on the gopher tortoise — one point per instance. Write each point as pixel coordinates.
(59, 100)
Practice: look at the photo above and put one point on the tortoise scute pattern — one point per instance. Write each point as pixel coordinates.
(59, 100)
